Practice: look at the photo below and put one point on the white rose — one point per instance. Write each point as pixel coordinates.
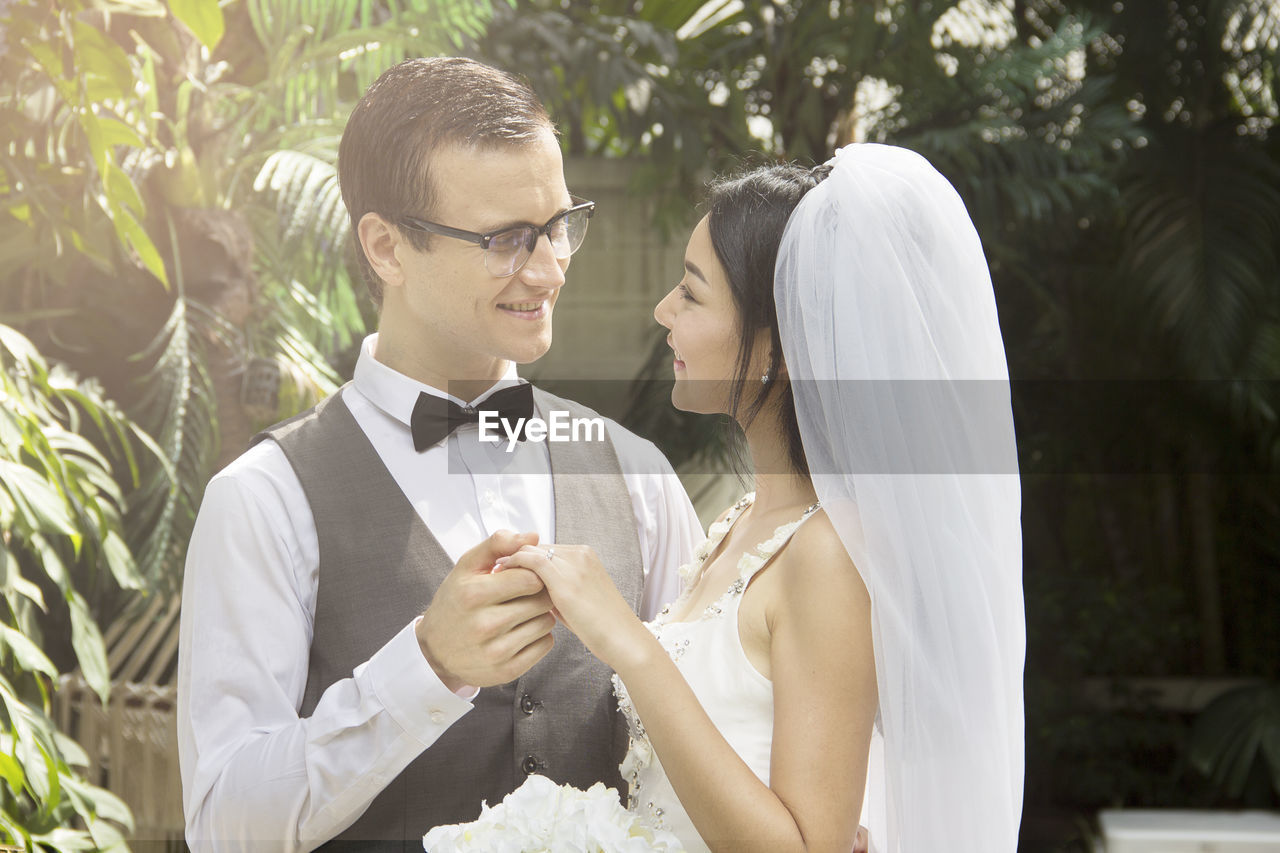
(541, 817)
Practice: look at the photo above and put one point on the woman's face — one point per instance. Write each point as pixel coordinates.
(703, 322)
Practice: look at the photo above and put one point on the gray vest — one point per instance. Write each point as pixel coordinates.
(380, 566)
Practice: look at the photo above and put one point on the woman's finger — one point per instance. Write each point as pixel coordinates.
(536, 562)
(521, 559)
(526, 552)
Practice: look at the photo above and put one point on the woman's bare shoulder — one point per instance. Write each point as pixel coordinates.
(816, 567)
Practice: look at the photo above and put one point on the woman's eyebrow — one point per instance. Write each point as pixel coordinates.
(693, 268)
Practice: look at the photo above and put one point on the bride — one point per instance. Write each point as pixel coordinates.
(851, 632)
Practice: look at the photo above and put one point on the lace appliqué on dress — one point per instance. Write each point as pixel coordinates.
(639, 750)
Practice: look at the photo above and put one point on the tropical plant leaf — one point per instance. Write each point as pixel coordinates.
(1235, 731)
(26, 653)
(202, 17)
(90, 649)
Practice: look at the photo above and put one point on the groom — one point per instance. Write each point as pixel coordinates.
(349, 669)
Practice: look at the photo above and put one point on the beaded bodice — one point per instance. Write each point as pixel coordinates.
(707, 650)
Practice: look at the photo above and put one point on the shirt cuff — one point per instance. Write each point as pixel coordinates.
(410, 690)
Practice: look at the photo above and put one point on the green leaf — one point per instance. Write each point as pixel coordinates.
(101, 64)
(11, 771)
(202, 17)
(1233, 732)
(71, 751)
(36, 762)
(86, 639)
(120, 189)
(17, 343)
(37, 499)
(97, 141)
(27, 654)
(65, 839)
(30, 591)
(116, 132)
(107, 837)
(121, 562)
(102, 803)
(50, 61)
(131, 234)
(14, 833)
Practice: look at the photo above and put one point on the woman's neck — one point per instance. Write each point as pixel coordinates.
(776, 484)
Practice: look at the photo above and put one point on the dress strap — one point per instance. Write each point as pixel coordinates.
(691, 571)
(751, 563)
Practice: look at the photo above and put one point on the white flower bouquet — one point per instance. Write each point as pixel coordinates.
(543, 816)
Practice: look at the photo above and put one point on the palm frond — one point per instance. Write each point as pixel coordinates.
(302, 261)
(307, 200)
(1203, 257)
(178, 406)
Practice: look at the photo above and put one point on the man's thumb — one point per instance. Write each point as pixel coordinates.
(502, 543)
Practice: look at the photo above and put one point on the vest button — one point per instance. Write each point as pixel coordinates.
(529, 765)
(527, 703)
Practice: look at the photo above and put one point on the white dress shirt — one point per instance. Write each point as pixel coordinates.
(254, 774)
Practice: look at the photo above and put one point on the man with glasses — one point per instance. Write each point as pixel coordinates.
(350, 668)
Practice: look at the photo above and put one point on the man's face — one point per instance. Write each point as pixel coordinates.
(453, 319)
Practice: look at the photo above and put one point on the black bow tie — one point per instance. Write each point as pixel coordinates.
(435, 417)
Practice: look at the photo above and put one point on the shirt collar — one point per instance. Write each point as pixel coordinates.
(396, 394)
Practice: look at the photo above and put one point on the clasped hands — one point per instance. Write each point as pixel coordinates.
(491, 618)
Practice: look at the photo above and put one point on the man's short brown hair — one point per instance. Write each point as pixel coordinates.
(411, 111)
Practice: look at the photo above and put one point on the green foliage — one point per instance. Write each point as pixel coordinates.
(1236, 744)
(61, 511)
(178, 399)
(204, 20)
(65, 190)
(620, 82)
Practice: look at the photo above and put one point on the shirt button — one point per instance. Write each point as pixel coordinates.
(489, 497)
(437, 716)
(529, 765)
(527, 703)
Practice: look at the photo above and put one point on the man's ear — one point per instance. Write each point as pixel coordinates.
(379, 239)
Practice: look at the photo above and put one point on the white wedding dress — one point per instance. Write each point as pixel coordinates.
(708, 652)
(890, 334)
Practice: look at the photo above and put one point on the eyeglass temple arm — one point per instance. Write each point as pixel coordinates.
(445, 231)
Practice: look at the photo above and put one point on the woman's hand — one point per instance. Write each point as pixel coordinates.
(585, 598)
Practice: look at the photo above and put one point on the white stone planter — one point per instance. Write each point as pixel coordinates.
(1170, 831)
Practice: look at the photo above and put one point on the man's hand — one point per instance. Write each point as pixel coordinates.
(586, 600)
(482, 629)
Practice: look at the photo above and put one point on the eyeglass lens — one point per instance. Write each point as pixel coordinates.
(510, 250)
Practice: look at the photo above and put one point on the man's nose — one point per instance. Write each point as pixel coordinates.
(544, 269)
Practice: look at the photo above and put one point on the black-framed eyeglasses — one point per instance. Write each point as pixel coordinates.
(508, 250)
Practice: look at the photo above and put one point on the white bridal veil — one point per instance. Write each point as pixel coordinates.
(892, 344)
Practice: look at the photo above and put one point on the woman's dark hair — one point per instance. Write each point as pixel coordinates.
(746, 215)
(410, 112)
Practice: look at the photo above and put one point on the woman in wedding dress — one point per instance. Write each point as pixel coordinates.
(851, 633)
